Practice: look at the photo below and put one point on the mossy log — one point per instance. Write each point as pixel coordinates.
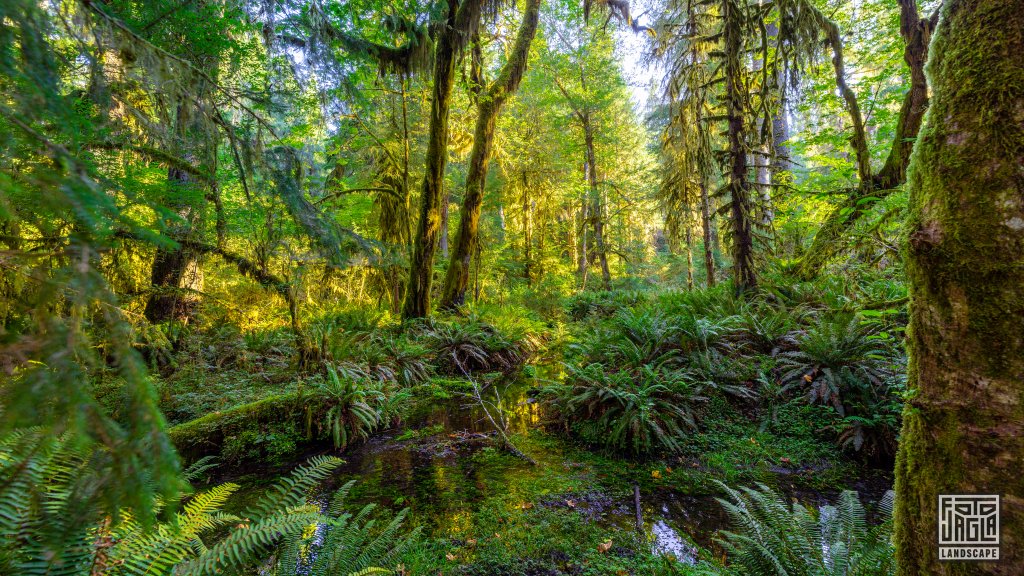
(299, 412)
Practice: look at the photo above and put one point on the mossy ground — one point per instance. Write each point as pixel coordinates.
(483, 510)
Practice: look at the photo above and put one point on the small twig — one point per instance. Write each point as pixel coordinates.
(499, 428)
(639, 513)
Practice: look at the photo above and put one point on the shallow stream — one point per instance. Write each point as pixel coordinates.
(443, 466)
(434, 468)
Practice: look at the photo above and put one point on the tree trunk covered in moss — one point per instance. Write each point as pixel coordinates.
(706, 224)
(175, 276)
(582, 259)
(689, 258)
(963, 431)
(489, 106)
(738, 178)
(449, 45)
(596, 205)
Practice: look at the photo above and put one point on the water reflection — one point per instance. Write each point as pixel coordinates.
(435, 474)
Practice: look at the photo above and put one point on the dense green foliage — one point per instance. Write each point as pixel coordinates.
(637, 379)
(58, 530)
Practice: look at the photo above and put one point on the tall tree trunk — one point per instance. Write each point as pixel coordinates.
(764, 188)
(176, 276)
(780, 135)
(489, 106)
(739, 182)
(780, 160)
(689, 258)
(443, 243)
(963, 431)
(708, 226)
(527, 232)
(582, 259)
(421, 267)
(596, 205)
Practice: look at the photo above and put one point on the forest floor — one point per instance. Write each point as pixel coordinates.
(486, 511)
(481, 508)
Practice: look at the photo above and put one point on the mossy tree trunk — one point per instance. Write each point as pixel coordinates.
(738, 178)
(689, 258)
(489, 105)
(582, 258)
(462, 18)
(706, 225)
(963, 431)
(527, 231)
(175, 276)
(596, 205)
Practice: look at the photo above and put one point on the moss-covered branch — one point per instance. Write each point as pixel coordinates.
(916, 32)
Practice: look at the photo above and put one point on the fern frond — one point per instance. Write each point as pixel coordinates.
(291, 490)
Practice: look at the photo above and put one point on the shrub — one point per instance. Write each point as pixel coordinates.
(601, 304)
(763, 328)
(652, 410)
(846, 365)
(356, 407)
(464, 346)
(836, 359)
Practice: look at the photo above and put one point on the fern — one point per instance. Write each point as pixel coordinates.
(291, 490)
(349, 543)
(52, 528)
(771, 537)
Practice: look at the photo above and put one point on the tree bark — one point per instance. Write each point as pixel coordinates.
(445, 201)
(689, 258)
(175, 276)
(527, 233)
(421, 267)
(963, 430)
(489, 106)
(596, 205)
(706, 224)
(582, 259)
(738, 179)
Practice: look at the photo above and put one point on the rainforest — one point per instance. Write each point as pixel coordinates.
(511, 287)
